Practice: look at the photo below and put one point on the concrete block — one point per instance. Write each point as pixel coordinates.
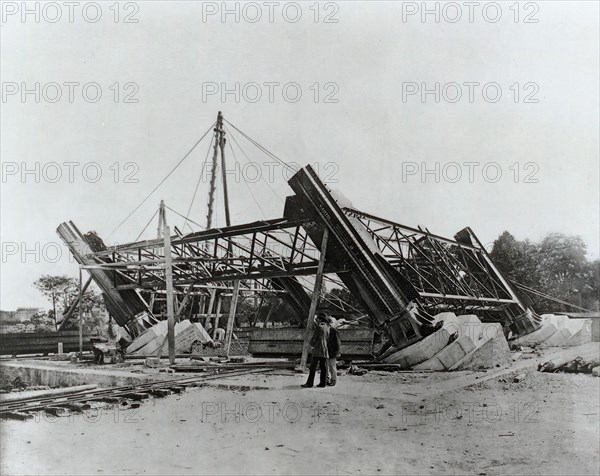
(420, 351)
(544, 332)
(456, 351)
(449, 355)
(443, 316)
(583, 336)
(152, 347)
(563, 322)
(186, 337)
(464, 325)
(558, 338)
(140, 341)
(205, 336)
(492, 353)
(595, 330)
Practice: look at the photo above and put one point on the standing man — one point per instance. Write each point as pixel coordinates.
(320, 353)
(333, 347)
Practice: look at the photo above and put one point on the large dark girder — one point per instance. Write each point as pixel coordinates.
(448, 275)
(369, 275)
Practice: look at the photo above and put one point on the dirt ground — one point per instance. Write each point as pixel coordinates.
(379, 423)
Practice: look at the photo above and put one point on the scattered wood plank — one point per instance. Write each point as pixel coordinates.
(14, 397)
(20, 416)
(588, 353)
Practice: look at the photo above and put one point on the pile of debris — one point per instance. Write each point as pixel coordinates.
(583, 359)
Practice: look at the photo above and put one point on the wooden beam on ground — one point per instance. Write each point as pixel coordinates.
(231, 319)
(314, 300)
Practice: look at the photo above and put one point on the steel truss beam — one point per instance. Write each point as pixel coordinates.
(448, 275)
(258, 251)
(402, 276)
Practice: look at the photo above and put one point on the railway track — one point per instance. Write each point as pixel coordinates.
(78, 402)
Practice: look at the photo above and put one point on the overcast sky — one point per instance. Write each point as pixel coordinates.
(365, 122)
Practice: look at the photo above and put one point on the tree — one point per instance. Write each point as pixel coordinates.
(340, 299)
(516, 259)
(557, 266)
(42, 321)
(563, 268)
(93, 313)
(58, 290)
(62, 291)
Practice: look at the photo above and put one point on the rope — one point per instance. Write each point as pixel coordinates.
(546, 296)
(249, 161)
(264, 149)
(245, 183)
(149, 221)
(186, 218)
(199, 180)
(163, 180)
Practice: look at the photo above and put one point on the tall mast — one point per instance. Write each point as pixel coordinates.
(219, 146)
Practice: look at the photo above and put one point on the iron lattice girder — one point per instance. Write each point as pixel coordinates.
(445, 273)
(388, 267)
(261, 250)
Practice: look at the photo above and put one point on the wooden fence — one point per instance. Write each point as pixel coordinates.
(42, 342)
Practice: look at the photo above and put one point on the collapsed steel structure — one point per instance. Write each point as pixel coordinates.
(402, 276)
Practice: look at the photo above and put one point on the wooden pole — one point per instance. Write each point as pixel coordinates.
(170, 308)
(161, 213)
(213, 176)
(211, 305)
(202, 304)
(314, 300)
(260, 306)
(217, 316)
(231, 319)
(223, 167)
(151, 304)
(80, 316)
